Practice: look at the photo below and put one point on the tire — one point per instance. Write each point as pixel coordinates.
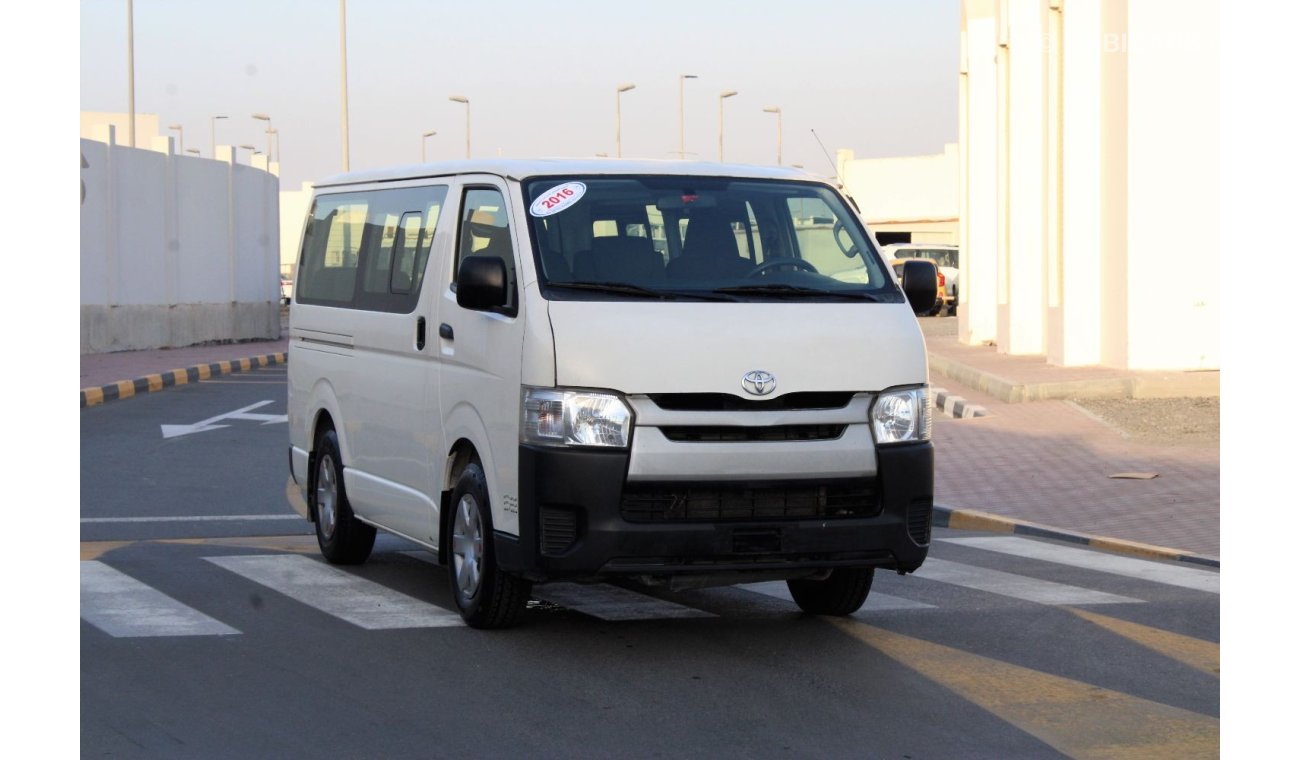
(486, 596)
(843, 593)
(343, 539)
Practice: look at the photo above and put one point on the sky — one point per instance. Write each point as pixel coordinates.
(875, 76)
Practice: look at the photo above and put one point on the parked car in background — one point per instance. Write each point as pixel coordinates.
(286, 290)
(940, 292)
(944, 256)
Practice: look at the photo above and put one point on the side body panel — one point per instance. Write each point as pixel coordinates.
(481, 365)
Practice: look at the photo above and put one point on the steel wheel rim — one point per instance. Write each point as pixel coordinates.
(467, 546)
(327, 494)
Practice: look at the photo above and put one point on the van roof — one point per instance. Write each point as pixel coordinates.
(540, 167)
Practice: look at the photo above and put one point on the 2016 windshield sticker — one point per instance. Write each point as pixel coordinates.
(557, 199)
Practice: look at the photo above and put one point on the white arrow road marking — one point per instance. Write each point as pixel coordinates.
(174, 431)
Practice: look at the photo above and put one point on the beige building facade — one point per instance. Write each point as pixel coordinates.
(911, 199)
(1088, 181)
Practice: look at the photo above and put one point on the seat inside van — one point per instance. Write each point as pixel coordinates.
(627, 259)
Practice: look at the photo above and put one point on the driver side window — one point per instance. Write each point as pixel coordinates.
(485, 231)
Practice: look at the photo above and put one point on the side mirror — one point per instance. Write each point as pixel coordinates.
(481, 283)
(920, 282)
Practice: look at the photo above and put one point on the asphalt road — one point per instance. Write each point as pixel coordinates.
(211, 628)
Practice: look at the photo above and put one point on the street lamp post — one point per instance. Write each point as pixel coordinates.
(776, 110)
(723, 96)
(266, 118)
(618, 117)
(252, 151)
(465, 100)
(195, 151)
(423, 138)
(180, 147)
(343, 73)
(213, 128)
(681, 113)
(130, 71)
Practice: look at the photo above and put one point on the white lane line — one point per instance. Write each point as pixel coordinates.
(1014, 586)
(335, 592)
(876, 601)
(613, 603)
(123, 607)
(1089, 559)
(191, 518)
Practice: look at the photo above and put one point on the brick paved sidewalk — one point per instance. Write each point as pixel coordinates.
(1050, 462)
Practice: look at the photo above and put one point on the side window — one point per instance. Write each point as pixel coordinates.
(406, 246)
(327, 270)
(384, 236)
(485, 231)
(814, 224)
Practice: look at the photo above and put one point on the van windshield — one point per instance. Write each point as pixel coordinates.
(704, 238)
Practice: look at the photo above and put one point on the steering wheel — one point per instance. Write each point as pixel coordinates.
(783, 261)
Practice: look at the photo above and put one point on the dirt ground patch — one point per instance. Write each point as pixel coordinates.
(1162, 420)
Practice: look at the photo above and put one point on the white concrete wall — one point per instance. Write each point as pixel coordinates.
(977, 315)
(901, 190)
(1089, 180)
(175, 250)
(1022, 310)
(1173, 176)
(293, 216)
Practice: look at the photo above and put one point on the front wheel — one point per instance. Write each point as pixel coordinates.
(842, 593)
(485, 596)
(343, 539)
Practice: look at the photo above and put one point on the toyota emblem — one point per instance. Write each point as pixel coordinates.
(758, 383)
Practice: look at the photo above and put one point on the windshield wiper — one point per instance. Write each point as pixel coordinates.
(626, 288)
(795, 290)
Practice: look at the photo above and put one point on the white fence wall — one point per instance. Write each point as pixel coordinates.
(175, 250)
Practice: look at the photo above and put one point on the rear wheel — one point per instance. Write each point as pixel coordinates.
(486, 596)
(841, 593)
(343, 539)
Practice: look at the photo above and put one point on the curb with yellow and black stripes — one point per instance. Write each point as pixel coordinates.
(969, 519)
(150, 383)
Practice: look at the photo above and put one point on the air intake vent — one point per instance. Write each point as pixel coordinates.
(919, 515)
(726, 402)
(675, 502)
(559, 530)
(731, 434)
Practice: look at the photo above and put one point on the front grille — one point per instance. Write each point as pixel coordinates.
(721, 433)
(726, 402)
(919, 514)
(559, 530)
(677, 502)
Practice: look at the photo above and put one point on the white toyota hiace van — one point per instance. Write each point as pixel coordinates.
(679, 373)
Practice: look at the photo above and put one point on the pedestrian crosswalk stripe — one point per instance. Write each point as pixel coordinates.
(608, 602)
(601, 600)
(336, 592)
(876, 601)
(123, 607)
(1156, 572)
(1014, 586)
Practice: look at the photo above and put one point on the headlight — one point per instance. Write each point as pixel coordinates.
(556, 417)
(902, 416)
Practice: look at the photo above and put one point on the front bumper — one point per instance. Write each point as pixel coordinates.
(572, 525)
